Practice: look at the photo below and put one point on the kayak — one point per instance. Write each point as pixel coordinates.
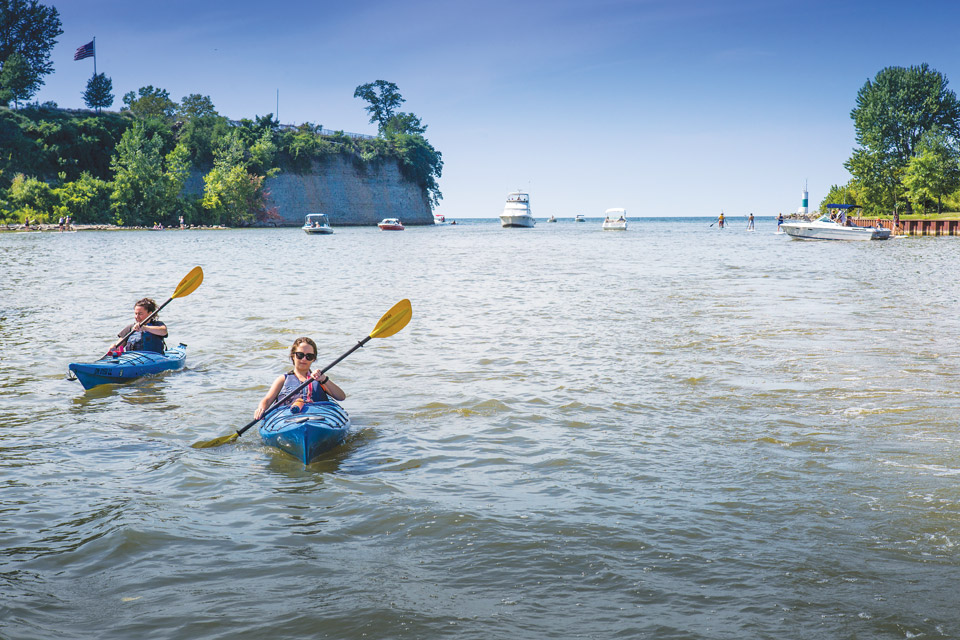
(317, 428)
(127, 366)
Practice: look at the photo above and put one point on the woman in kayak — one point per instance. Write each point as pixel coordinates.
(143, 337)
(302, 354)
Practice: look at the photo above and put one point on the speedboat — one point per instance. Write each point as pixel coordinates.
(438, 218)
(827, 228)
(390, 224)
(552, 219)
(316, 223)
(579, 218)
(615, 220)
(516, 213)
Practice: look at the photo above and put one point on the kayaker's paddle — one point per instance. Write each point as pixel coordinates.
(187, 286)
(391, 322)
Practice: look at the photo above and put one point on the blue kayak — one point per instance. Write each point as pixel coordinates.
(318, 427)
(127, 366)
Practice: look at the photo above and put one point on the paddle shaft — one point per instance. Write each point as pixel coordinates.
(304, 385)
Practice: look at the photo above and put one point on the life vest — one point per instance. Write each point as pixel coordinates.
(144, 340)
(313, 392)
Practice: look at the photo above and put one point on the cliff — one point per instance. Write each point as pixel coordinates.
(350, 194)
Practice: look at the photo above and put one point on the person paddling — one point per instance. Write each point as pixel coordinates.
(720, 220)
(750, 226)
(140, 336)
(779, 221)
(302, 353)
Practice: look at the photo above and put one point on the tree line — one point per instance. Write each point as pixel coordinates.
(131, 167)
(907, 125)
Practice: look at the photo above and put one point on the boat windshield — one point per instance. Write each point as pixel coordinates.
(315, 219)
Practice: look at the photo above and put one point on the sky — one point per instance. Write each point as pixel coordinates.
(663, 107)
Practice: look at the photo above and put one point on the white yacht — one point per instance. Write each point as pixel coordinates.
(827, 228)
(615, 220)
(516, 213)
(316, 223)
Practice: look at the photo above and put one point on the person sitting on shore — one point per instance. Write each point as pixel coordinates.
(302, 353)
(142, 337)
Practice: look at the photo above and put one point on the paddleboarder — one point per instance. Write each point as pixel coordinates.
(779, 221)
(750, 222)
(142, 337)
(302, 354)
(720, 220)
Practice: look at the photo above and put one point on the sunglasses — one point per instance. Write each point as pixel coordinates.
(309, 356)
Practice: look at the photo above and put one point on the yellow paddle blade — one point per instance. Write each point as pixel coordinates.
(216, 442)
(189, 284)
(393, 320)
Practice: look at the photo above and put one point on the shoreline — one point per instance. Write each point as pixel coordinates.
(55, 228)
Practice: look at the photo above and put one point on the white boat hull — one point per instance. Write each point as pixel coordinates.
(820, 230)
(517, 221)
(317, 230)
(616, 225)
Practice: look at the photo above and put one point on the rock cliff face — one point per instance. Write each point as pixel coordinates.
(348, 193)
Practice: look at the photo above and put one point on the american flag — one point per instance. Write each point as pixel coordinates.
(86, 51)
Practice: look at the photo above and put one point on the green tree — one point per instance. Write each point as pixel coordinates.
(86, 200)
(31, 199)
(146, 186)
(17, 80)
(201, 126)
(383, 98)
(232, 194)
(404, 123)
(893, 113)
(150, 102)
(99, 92)
(933, 173)
(30, 29)
(846, 194)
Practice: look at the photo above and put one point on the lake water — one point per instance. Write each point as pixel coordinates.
(673, 432)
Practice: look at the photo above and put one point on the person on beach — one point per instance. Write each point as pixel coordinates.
(302, 354)
(68, 223)
(720, 220)
(61, 224)
(142, 337)
(750, 222)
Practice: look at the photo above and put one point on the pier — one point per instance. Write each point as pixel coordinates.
(932, 227)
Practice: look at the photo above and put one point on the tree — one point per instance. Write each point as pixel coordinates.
(893, 113)
(29, 29)
(201, 126)
(383, 99)
(150, 103)
(98, 93)
(404, 123)
(934, 172)
(146, 186)
(420, 163)
(17, 80)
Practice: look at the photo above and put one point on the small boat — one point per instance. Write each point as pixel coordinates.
(516, 213)
(390, 224)
(316, 223)
(552, 219)
(438, 218)
(615, 220)
(579, 218)
(317, 428)
(128, 366)
(826, 228)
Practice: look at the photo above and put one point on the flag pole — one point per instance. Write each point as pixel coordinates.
(94, 55)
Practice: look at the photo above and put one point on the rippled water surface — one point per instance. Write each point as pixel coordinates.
(673, 432)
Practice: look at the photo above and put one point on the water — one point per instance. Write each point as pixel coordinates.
(673, 432)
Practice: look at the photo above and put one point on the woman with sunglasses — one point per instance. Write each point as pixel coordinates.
(302, 354)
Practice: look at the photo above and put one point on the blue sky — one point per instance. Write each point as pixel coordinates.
(681, 107)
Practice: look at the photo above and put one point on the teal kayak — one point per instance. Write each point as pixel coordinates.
(317, 428)
(127, 366)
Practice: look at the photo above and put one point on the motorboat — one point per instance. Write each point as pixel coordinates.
(833, 227)
(615, 220)
(316, 223)
(552, 219)
(516, 213)
(390, 224)
(579, 218)
(438, 218)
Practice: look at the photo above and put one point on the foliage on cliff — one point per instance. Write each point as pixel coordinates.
(124, 159)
